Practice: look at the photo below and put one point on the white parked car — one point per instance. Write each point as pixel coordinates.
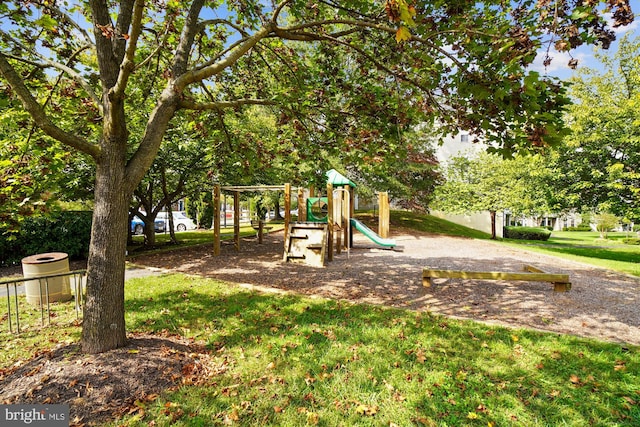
(181, 222)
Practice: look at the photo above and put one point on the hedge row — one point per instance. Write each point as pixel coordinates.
(68, 232)
(526, 233)
(581, 227)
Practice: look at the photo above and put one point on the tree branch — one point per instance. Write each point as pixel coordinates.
(189, 31)
(168, 23)
(292, 33)
(208, 22)
(127, 66)
(68, 19)
(217, 105)
(123, 25)
(64, 68)
(278, 10)
(384, 68)
(39, 116)
(236, 53)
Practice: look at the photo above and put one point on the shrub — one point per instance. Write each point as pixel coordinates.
(526, 233)
(631, 241)
(580, 227)
(68, 232)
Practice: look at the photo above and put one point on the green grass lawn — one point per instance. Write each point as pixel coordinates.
(588, 247)
(291, 361)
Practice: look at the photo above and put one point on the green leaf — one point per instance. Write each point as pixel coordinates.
(403, 34)
(47, 22)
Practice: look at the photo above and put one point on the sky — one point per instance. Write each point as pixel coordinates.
(584, 54)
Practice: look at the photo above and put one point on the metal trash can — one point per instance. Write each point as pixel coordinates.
(43, 265)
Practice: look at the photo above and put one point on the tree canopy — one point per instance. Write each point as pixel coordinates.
(331, 69)
(490, 183)
(599, 162)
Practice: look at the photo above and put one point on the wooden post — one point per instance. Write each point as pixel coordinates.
(352, 213)
(216, 220)
(236, 219)
(287, 210)
(302, 206)
(346, 214)
(329, 222)
(383, 214)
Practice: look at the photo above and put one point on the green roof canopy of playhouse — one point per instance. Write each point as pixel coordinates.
(336, 178)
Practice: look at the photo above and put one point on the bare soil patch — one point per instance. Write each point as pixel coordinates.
(99, 387)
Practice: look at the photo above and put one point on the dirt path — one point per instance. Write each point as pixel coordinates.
(601, 304)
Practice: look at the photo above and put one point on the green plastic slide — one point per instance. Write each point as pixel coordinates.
(372, 235)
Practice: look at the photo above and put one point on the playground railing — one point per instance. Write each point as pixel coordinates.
(16, 285)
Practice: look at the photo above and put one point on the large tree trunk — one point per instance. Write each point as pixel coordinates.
(103, 325)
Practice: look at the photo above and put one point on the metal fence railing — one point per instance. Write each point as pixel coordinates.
(77, 279)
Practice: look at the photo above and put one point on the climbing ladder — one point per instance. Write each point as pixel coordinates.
(306, 243)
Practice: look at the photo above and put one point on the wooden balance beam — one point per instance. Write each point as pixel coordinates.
(531, 274)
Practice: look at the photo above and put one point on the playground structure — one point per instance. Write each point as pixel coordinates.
(305, 240)
(337, 211)
(307, 243)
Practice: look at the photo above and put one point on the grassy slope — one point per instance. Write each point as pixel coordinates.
(587, 247)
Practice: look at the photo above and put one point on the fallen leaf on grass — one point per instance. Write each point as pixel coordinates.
(554, 393)
(575, 379)
(620, 365)
(313, 418)
(367, 410)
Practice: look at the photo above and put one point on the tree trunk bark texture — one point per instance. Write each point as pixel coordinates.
(150, 233)
(493, 224)
(103, 325)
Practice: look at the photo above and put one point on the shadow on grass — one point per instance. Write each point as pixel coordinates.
(345, 354)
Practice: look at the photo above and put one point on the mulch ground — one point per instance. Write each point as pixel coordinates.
(100, 387)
